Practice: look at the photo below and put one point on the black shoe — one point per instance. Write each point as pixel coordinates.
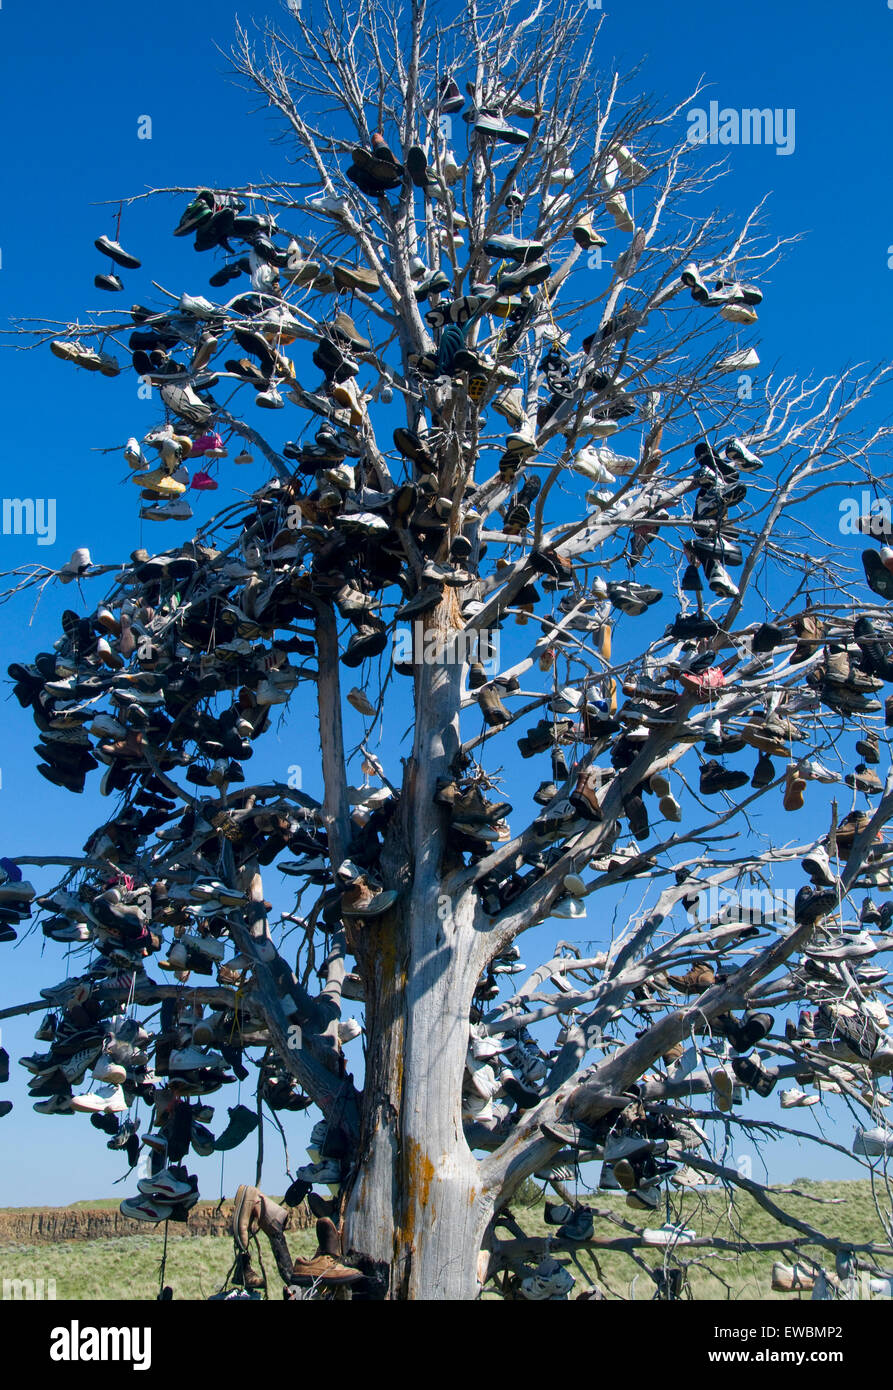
(427, 599)
(366, 642)
(756, 1077)
(524, 1097)
(229, 272)
(716, 778)
(764, 772)
(877, 576)
(811, 904)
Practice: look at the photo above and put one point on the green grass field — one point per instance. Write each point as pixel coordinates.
(128, 1266)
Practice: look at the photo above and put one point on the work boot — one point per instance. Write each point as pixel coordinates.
(494, 711)
(695, 981)
(584, 797)
(325, 1267)
(867, 748)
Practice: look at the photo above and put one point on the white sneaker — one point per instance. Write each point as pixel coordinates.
(193, 1058)
(854, 947)
(743, 361)
(669, 1234)
(738, 313)
(109, 1071)
(328, 1170)
(599, 427)
(873, 1143)
(818, 866)
(721, 583)
(134, 455)
(815, 771)
(589, 464)
(333, 206)
(550, 1282)
(108, 1101)
(618, 463)
(795, 1098)
(178, 509)
(145, 1209)
(165, 1186)
(686, 1176)
(197, 307)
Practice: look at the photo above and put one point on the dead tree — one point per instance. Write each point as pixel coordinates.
(526, 247)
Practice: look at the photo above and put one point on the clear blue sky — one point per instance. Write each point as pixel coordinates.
(77, 80)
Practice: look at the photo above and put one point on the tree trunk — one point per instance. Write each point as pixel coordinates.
(417, 1205)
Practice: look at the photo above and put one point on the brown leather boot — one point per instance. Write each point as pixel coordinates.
(246, 1216)
(325, 1267)
(273, 1219)
(695, 981)
(247, 1275)
(584, 797)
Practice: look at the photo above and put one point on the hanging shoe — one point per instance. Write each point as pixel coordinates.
(794, 787)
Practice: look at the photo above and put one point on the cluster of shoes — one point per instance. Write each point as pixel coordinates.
(87, 1035)
(16, 897)
(170, 1070)
(253, 1212)
(734, 722)
(502, 1072)
(641, 1150)
(735, 300)
(329, 1152)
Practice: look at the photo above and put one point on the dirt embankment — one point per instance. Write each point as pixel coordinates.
(101, 1223)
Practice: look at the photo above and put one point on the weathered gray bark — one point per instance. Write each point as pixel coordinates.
(418, 1204)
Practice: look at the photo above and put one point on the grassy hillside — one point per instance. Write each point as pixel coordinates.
(129, 1266)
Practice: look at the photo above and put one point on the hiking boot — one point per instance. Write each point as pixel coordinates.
(809, 632)
(325, 1267)
(867, 748)
(584, 797)
(864, 780)
(475, 810)
(695, 981)
(494, 711)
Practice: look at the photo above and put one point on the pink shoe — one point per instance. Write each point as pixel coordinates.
(703, 685)
(210, 443)
(203, 482)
